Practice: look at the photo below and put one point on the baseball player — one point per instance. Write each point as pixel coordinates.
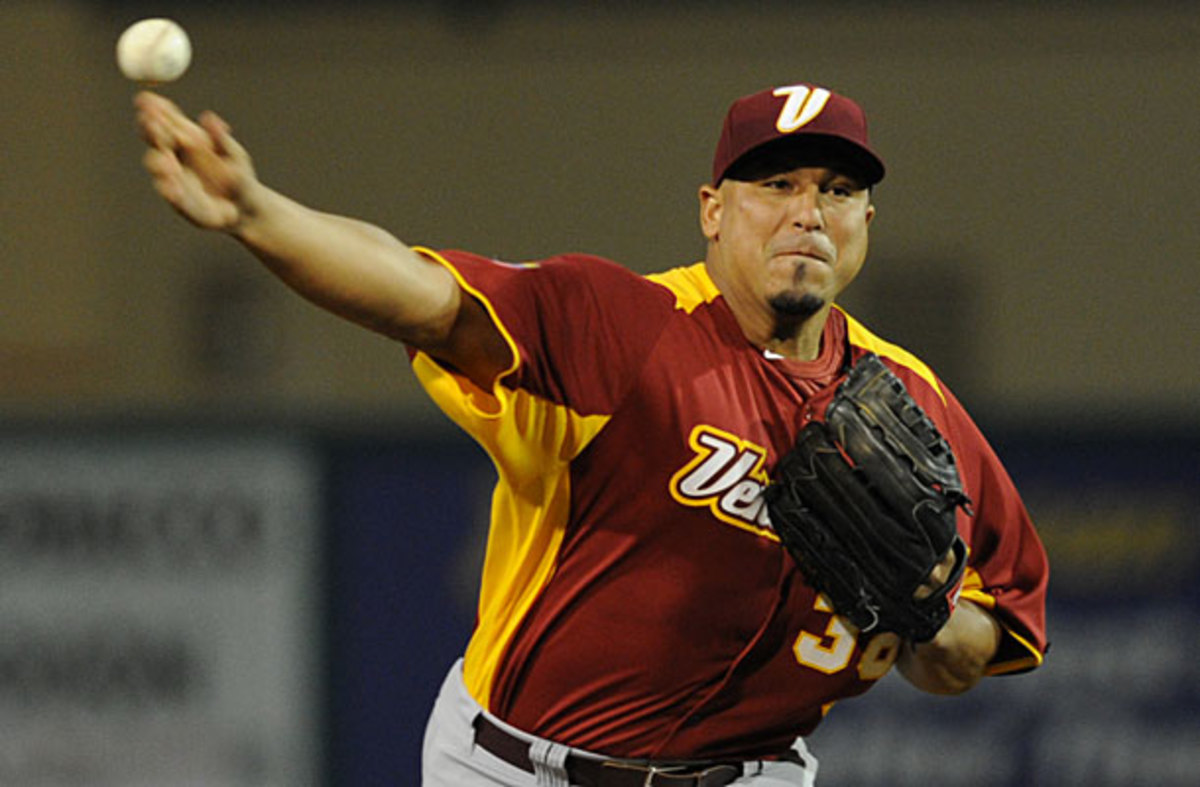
(639, 620)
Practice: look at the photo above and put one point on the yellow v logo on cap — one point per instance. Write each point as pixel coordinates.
(802, 105)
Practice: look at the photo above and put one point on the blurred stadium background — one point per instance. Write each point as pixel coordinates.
(238, 547)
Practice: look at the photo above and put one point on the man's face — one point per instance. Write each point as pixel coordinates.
(786, 244)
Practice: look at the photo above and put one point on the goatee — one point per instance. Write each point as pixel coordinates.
(793, 307)
(792, 311)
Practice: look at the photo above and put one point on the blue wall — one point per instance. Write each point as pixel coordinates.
(1116, 702)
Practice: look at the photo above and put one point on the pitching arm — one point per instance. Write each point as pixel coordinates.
(348, 267)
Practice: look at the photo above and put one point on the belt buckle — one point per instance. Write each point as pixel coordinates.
(650, 770)
(650, 776)
(676, 771)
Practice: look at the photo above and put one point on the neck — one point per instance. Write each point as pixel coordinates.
(794, 337)
(797, 339)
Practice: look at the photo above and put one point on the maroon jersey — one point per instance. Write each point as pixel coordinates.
(635, 600)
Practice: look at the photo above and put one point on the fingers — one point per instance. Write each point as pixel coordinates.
(222, 137)
(182, 142)
(941, 572)
(164, 125)
(217, 128)
(161, 164)
(152, 119)
(196, 165)
(937, 578)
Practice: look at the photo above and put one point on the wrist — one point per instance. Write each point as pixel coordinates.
(256, 203)
(957, 656)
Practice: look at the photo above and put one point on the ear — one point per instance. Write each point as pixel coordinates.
(870, 212)
(710, 211)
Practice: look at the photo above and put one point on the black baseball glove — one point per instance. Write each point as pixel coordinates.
(865, 502)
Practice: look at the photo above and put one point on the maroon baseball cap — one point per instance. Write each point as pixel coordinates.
(802, 117)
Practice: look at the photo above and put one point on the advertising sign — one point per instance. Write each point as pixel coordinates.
(158, 617)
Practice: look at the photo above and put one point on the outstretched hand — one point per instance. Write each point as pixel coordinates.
(197, 166)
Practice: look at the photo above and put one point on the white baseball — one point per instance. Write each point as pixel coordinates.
(154, 50)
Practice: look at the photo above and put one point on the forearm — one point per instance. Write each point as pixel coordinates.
(954, 660)
(351, 268)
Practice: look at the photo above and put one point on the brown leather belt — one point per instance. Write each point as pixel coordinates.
(604, 773)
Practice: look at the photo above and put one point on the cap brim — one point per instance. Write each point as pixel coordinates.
(807, 150)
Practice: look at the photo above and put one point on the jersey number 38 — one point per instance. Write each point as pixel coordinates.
(834, 650)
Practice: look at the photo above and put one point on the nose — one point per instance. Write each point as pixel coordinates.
(806, 209)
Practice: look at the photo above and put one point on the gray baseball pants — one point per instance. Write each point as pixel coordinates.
(452, 759)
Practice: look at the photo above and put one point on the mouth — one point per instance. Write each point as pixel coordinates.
(799, 261)
(802, 256)
(804, 252)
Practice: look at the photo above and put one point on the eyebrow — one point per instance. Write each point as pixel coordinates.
(834, 174)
